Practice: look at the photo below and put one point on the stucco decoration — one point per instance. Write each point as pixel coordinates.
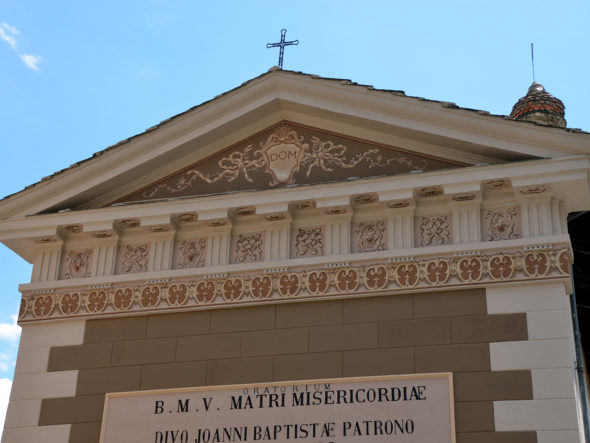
(103, 234)
(534, 189)
(96, 300)
(249, 247)
(276, 216)
(434, 230)
(287, 155)
(496, 184)
(304, 204)
(47, 240)
(134, 258)
(129, 223)
(149, 297)
(364, 199)
(191, 253)
(261, 287)
(502, 224)
(244, 211)
(464, 196)
(369, 236)
(70, 303)
(531, 263)
(77, 264)
(430, 191)
(73, 229)
(309, 242)
(397, 204)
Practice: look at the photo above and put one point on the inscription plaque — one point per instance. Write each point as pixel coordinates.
(403, 408)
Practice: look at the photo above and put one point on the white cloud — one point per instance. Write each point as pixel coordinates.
(31, 61)
(7, 34)
(9, 28)
(5, 386)
(6, 362)
(10, 331)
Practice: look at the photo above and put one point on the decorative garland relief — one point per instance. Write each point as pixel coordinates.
(282, 155)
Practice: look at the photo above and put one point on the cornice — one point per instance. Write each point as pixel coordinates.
(557, 170)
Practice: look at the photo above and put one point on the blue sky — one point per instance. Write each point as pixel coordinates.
(77, 76)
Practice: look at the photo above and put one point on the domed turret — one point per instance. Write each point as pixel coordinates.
(540, 107)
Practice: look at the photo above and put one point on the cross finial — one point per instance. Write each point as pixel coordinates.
(533, 61)
(282, 45)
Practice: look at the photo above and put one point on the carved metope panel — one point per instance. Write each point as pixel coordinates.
(133, 258)
(308, 242)
(434, 230)
(369, 236)
(190, 253)
(248, 247)
(502, 224)
(76, 264)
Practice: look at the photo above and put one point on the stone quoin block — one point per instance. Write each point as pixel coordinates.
(178, 324)
(429, 331)
(293, 315)
(243, 319)
(239, 370)
(97, 355)
(452, 303)
(393, 307)
(173, 375)
(115, 329)
(378, 362)
(136, 352)
(343, 337)
(308, 366)
(208, 347)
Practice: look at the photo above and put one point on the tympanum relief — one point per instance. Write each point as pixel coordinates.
(288, 155)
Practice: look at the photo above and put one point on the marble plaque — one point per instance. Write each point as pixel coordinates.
(414, 408)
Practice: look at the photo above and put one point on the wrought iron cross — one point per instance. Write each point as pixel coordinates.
(282, 45)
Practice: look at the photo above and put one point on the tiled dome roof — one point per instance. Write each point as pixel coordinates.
(539, 106)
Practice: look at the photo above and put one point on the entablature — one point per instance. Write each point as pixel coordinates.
(465, 206)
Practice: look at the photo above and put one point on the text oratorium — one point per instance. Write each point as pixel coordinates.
(403, 408)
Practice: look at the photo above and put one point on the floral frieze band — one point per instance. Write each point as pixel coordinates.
(387, 276)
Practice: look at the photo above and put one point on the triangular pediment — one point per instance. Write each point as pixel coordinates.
(342, 131)
(287, 155)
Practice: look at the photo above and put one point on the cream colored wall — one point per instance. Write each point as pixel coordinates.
(548, 353)
(32, 382)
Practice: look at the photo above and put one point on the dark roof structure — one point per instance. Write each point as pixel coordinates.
(540, 107)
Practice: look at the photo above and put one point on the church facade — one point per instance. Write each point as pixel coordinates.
(296, 230)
